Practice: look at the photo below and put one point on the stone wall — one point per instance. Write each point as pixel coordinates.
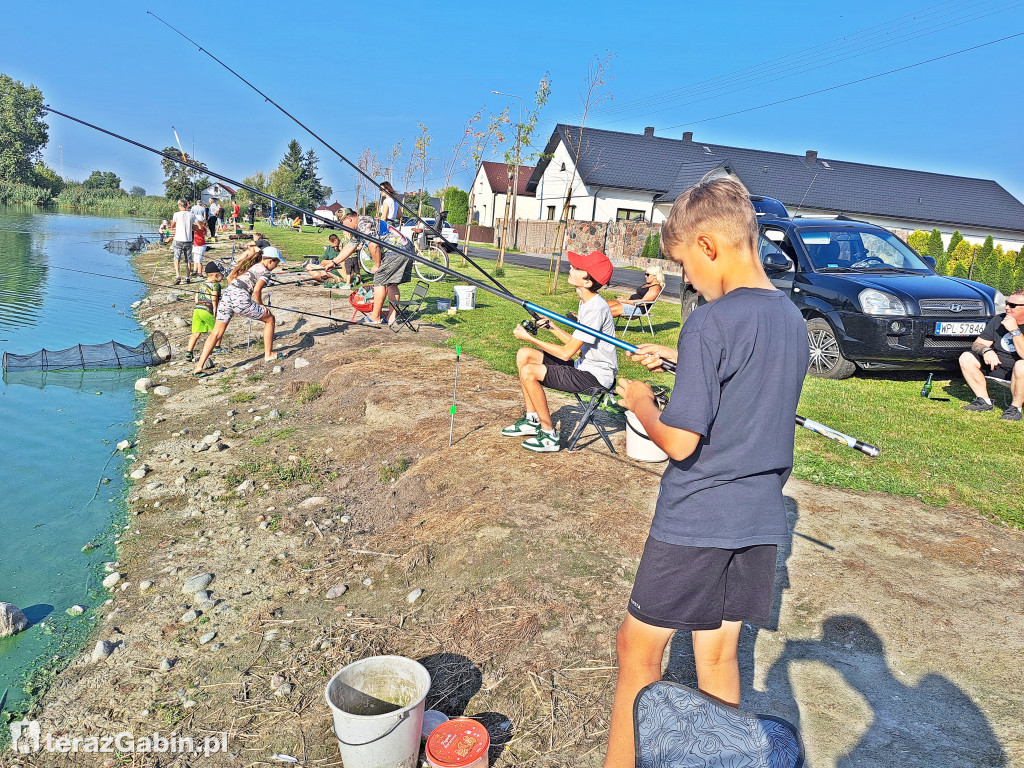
(621, 241)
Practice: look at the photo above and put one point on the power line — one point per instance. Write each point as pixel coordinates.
(764, 78)
(848, 83)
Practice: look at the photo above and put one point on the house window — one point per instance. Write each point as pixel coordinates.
(572, 212)
(628, 214)
(551, 213)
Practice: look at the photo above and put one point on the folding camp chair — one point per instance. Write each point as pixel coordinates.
(1003, 387)
(644, 310)
(408, 310)
(678, 727)
(590, 400)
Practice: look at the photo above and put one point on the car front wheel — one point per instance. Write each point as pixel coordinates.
(827, 361)
(689, 301)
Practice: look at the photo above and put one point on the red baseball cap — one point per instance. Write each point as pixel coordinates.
(595, 264)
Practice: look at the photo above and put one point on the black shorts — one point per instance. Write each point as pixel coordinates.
(565, 377)
(1001, 371)
(695, 588)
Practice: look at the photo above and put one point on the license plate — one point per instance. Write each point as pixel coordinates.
(959, 329)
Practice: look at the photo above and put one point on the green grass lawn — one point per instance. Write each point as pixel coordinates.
(930, 450)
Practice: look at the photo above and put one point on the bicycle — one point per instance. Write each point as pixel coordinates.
(437, 254)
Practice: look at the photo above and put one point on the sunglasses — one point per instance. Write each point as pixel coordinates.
(1011, 305)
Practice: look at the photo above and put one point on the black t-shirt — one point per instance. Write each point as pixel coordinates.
(742, 362)
(1002, 341)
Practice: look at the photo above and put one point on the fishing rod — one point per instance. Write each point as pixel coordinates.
(355, 167)
(500, 292)
(179, 289)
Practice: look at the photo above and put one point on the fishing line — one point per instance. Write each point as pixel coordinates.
(500, 292)
(341, 157)
(179, 289)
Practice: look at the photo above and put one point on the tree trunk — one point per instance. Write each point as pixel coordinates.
(556, 253)
(504, 231)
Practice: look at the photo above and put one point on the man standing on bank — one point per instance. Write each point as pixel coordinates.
(998, 352)
(391, 268)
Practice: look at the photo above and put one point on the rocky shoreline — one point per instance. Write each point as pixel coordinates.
(288, 520)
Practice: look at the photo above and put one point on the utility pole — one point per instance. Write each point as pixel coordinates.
(61, 148)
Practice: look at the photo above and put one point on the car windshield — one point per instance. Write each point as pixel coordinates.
(844, 249)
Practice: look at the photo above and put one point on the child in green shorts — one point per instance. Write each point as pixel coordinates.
(207, 299)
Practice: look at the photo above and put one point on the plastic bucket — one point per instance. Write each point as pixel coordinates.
(443, 304)
(465, 296)
(638, 445)
(378, 711)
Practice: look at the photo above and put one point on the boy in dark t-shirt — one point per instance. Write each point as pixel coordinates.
(709, 562)
(999, 352)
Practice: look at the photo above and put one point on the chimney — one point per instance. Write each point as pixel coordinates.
(688, 137)
(811, 156)
(649, 132)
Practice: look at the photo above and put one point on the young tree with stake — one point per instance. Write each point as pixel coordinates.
(593, 95)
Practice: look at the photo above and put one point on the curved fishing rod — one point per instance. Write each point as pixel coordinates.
(341, 157)
(533, 309)
(179, 289)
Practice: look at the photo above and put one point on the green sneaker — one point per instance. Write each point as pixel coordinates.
(543, 442)
(522, 427)
(188, 355)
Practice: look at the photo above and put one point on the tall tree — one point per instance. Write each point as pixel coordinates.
(44, 176)
(137, 191)
(959, 259)
(23, 133)
(310, 183)
(103, 180)
(456, 202)
(181, 181)
(918, 240)
(982, 266)
(954, 241)
(935, 247)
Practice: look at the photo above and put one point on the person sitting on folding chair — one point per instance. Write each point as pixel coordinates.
(547, 364)
(332, 266)
(653, 285)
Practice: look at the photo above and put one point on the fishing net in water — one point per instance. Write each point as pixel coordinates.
(154, 350)
(127, 246)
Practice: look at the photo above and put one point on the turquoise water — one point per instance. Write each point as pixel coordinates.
(59, 429)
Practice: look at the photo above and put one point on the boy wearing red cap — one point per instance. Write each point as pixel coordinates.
(549, 364)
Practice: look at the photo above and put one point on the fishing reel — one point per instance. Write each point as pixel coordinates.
(530, 326)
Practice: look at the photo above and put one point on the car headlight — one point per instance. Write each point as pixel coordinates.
(874, 302)
(1000, 301)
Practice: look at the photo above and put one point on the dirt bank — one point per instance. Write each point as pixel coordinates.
(898, 637)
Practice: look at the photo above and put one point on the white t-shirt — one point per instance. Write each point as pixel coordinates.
(387, 208)
(596, 356)
(183, 227)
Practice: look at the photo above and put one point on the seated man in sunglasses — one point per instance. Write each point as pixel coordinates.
(998, 352)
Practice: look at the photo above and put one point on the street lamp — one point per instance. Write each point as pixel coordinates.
(515, 179)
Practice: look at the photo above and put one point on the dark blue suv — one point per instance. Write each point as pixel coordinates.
(868, 298)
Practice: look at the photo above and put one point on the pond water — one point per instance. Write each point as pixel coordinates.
(61, 429)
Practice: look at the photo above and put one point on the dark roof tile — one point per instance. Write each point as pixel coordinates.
(668, 166)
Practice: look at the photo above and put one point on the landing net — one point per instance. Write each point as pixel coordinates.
(154, 350)
(127, 246)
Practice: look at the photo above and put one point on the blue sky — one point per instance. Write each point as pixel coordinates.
(363, 80)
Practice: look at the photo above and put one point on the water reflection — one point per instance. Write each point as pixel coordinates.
(23, 274)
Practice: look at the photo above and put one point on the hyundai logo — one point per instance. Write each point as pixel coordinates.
(956, 307)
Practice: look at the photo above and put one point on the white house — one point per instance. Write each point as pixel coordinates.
(490, 189)
(627, 176)
(217, 191)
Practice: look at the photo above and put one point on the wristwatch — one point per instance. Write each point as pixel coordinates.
(1015, 332)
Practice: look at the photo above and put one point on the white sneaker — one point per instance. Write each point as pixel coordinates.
(543, 442)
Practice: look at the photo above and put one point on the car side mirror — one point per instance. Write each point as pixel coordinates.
(776, 262)
(930, 261)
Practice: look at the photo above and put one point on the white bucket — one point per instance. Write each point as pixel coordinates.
(378, 711)
(638, 445)
(465, 297)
